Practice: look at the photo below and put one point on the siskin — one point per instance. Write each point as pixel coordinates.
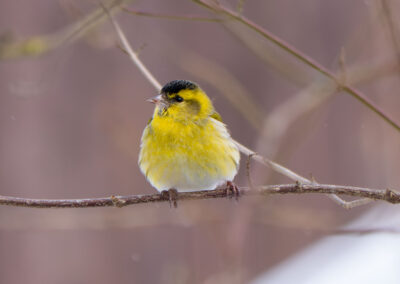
(185, 145)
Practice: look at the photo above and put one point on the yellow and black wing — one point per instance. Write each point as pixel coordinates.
(216, 116)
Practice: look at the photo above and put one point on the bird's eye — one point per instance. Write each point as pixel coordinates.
(178, 99)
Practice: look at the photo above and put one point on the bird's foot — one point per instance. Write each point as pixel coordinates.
(170, 195)
(232, 190)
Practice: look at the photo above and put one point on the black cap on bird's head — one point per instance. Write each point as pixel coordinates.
(183, 100)
(175, 86)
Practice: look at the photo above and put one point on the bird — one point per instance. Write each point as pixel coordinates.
(185, 146)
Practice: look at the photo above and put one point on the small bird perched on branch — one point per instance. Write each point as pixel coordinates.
(185, 145)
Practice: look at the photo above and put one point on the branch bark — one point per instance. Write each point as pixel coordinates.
(387, 195)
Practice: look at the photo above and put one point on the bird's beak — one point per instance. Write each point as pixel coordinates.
(155, 100)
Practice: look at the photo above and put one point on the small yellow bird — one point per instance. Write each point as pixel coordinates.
(185, 145)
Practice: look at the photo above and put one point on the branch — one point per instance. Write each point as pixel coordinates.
(387, 195)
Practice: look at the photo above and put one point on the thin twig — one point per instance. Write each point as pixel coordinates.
(217, 8)
(135, 59)
(171, 17)
(387, 195)
(275, 166)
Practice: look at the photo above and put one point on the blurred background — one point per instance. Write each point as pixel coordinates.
(72, 111)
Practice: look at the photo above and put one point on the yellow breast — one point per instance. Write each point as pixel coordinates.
(187, 155)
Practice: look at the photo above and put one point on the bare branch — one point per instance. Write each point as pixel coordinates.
(387, 195)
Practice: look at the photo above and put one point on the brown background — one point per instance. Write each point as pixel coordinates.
(71, 122)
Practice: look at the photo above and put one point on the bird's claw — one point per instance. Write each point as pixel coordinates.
(232, 190)
(170, 195)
